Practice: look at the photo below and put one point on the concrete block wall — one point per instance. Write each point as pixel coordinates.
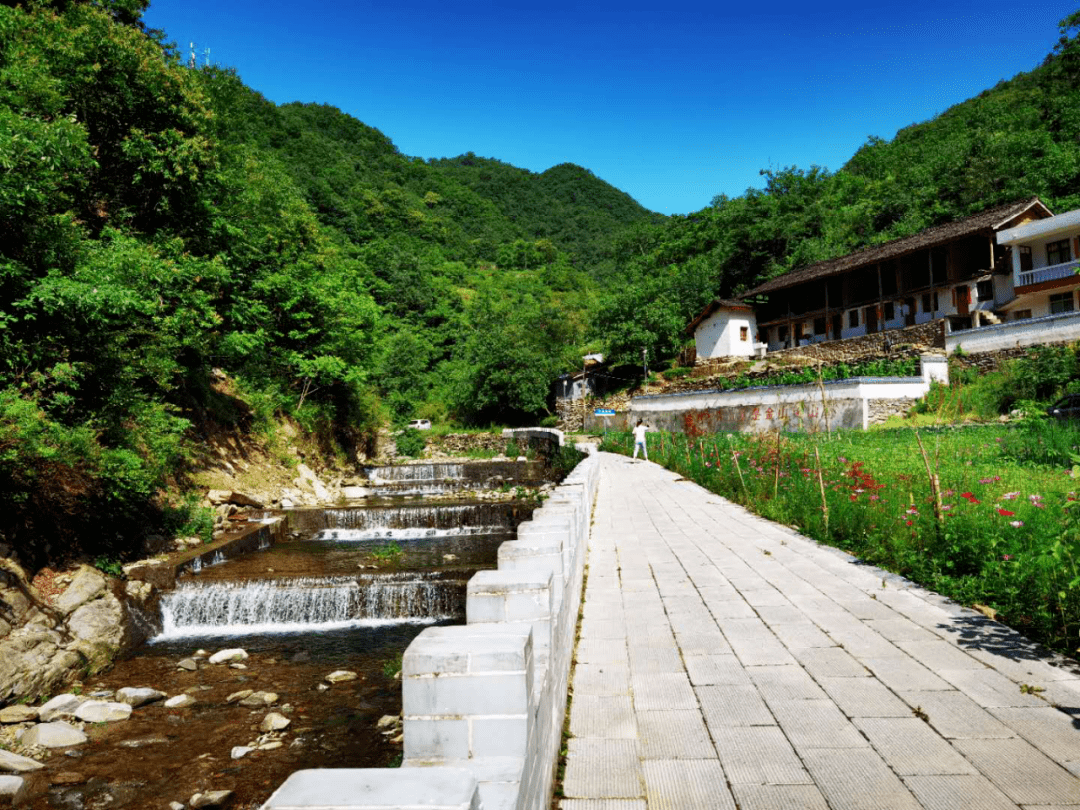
(483, 703)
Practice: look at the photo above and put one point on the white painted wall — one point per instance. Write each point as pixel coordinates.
(1012, 334)
(767, 408)
(719, 334)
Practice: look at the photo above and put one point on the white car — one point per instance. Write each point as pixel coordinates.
(420, 424)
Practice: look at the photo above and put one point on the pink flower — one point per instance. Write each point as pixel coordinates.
(1016, 524)
(1010, 496)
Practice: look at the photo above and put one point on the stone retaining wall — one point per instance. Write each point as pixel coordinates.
(483, 703)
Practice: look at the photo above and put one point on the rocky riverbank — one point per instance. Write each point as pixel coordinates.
(216, 730)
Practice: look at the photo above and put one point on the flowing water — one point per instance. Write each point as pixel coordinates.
(349, 590)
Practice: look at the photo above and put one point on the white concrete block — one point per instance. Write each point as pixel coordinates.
(433, 739)
(500, 736)
(460, 695)
(375, 788)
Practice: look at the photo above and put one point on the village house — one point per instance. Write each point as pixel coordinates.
(1044, 264)
(726, 329)
(960, 273)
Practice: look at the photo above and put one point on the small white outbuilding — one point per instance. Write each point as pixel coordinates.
(725, 329)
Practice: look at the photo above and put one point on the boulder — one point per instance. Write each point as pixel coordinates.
(12, 789)
(138, 696)
(99, 627)
(218, 496)
(240, 751)
(274, 722)
(86, 585)
(53, 735)
(18, 714)
(180, 702)
(236, 697)
(33, 662)
(103, 711)
(60, 706)
(14, 763)
(188, 664)
(228, 656)
(212, 798)
(341, 675)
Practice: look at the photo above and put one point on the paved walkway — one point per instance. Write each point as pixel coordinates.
(725, 661)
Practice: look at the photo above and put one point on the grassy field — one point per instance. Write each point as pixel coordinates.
(981, 514)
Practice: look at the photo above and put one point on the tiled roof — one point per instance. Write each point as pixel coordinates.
(715, 304)
(990, 219)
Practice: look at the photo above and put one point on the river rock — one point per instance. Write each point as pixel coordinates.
(53, 735)
(142, 742)
(102, 711)
(60, 706)
(274, 722)
(228, 656)
(18, 714)
(240, 751)
(271, 746)
(68, 778)
(386, 720)
(11, 790)
(137, 696)
(340, 676)
(14, 763)
(188, 664)
(86, 585)
(180, 702)
(212, 798)
(257, 700)
(176, 806)
(236, 697)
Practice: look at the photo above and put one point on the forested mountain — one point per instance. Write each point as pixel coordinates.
(160, 223)
(566, 204)
(1018, 139)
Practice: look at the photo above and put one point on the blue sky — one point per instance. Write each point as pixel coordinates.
(673, 102)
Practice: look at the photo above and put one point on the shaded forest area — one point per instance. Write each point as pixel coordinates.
(161, 223)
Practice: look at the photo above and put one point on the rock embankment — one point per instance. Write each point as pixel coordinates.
(43, 643)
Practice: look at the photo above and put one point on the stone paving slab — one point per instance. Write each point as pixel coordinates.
(710, 672)
(687, 784)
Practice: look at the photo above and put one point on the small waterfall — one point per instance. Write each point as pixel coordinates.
(472, 518)
(415, 473)
(305, 604)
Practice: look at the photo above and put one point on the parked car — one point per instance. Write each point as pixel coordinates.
(1067, 407)
(420, 424)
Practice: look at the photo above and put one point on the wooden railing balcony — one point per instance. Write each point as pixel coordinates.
(1051, 273)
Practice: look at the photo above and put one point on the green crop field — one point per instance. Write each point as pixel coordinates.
(981, 514)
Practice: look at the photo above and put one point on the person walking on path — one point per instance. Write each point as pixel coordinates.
(639, 439)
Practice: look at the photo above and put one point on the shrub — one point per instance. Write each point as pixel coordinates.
(411, 442)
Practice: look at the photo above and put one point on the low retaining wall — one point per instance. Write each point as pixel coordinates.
(483, 703)
(252, 537)
(852, 404)
(1063, 328)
